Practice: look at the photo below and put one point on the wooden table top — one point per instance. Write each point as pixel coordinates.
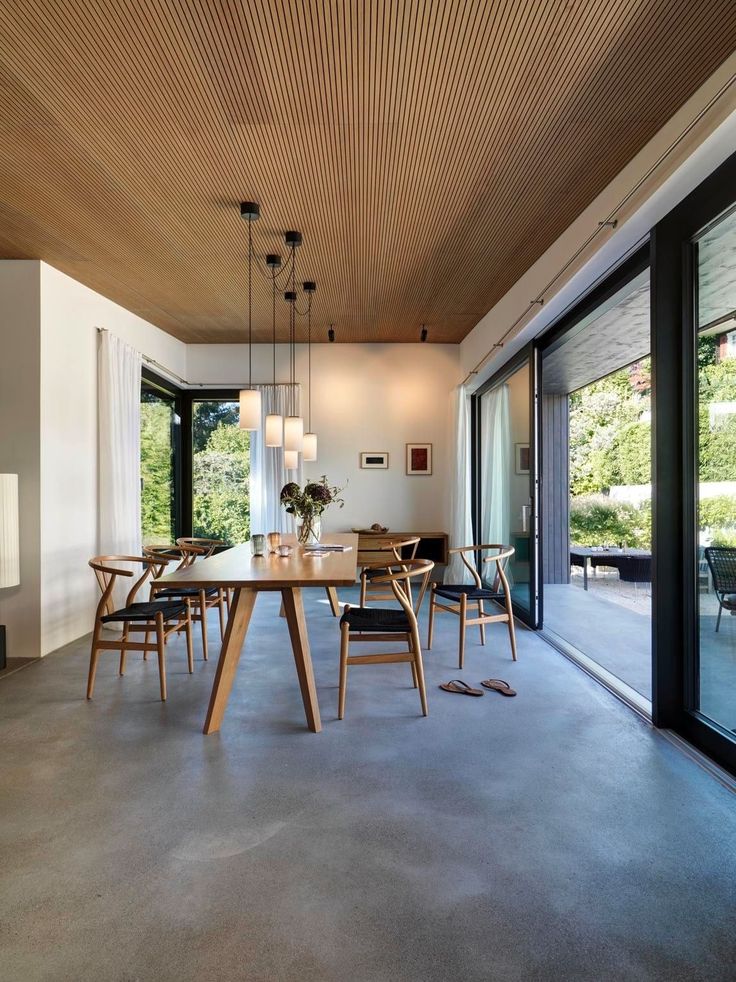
(238, 567)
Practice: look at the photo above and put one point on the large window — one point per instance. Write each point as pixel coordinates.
(159, 438)
(220, 471)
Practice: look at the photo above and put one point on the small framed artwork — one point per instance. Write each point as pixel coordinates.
(522, 458)
(374, 460)
(419, 458)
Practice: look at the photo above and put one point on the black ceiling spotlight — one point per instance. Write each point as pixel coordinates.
(250, 210)
(423, 335)
(273, 260)
(331, 334)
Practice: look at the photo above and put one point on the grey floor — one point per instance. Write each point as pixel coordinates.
(617, 638)
(552, 836)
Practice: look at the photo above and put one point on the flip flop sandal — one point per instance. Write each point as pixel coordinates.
(498, 685)
(462, 688)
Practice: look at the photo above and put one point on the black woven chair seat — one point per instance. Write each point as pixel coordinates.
(189, 591)
(454, 591)
(376, 619)
(147, 612)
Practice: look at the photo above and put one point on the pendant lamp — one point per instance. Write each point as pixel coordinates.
(250, 398)
(293, 424)
(309, 444)
(274, 421)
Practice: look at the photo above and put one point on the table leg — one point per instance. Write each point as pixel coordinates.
(241, 609)
(585, 573)
(294, 610)
(334, 602)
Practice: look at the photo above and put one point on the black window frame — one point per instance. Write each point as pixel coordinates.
(675, 335)
(156, 383)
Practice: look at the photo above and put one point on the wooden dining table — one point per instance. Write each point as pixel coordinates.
(237, 569)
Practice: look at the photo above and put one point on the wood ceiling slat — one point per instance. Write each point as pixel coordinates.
(429, 152)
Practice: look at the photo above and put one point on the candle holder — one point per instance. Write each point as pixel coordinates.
(274, 541)
(258, 544)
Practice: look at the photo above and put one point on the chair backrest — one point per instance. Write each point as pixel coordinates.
(722, 563)
(398, 545)
(503, 554)
(184, 554)
(208, 545)
(106, 572)
(400, 574)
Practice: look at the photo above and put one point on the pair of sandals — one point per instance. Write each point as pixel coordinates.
(463, 689)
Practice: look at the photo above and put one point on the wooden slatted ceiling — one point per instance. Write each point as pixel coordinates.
(429, 152)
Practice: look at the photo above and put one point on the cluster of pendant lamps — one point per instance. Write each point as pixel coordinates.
(280, 431)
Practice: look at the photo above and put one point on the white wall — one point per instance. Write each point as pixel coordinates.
(364, 397)
(70, 314)
(20, 445)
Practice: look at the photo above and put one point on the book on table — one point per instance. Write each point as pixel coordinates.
(326, 547)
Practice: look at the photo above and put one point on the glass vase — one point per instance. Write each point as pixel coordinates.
(308, 531)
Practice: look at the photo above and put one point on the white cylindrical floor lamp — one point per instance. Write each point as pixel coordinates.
(9, 544)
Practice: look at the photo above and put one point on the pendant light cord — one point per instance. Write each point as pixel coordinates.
(273, 278)
(309, 362)
(250, 303)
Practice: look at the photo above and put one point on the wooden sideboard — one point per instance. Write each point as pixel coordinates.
(432, 545)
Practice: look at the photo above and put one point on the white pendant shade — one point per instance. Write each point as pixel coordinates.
(250, 409)
(291, 460)
(9, 531)
(293, 433)
(309, 449)
(274, 430)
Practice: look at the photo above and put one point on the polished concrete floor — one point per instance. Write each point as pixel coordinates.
(552, 836)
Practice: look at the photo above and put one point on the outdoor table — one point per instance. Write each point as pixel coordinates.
(633, 565)
(247, 575)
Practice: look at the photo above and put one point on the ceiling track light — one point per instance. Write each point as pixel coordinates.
(423, 335)
(250, 398)
(331, 334)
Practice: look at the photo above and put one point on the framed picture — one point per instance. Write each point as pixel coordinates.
(419, 458)
(374, 460)
(522, 458)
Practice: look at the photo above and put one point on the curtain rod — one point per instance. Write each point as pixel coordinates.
(195, 385)
(610, 222)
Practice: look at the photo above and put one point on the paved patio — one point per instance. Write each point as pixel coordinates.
(611, 623)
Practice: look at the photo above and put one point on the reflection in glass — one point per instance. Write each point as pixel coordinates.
(716, 464)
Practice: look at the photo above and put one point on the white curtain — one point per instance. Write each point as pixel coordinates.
(267, 472)
(119, 414)
(496, 466)
(461, 523)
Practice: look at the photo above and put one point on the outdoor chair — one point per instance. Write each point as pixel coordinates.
(380, 625)
(470, 598)
(722, 564)
(162, 617)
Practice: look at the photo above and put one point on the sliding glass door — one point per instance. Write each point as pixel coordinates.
(714, 273)
(596, 463)
(506, 512)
